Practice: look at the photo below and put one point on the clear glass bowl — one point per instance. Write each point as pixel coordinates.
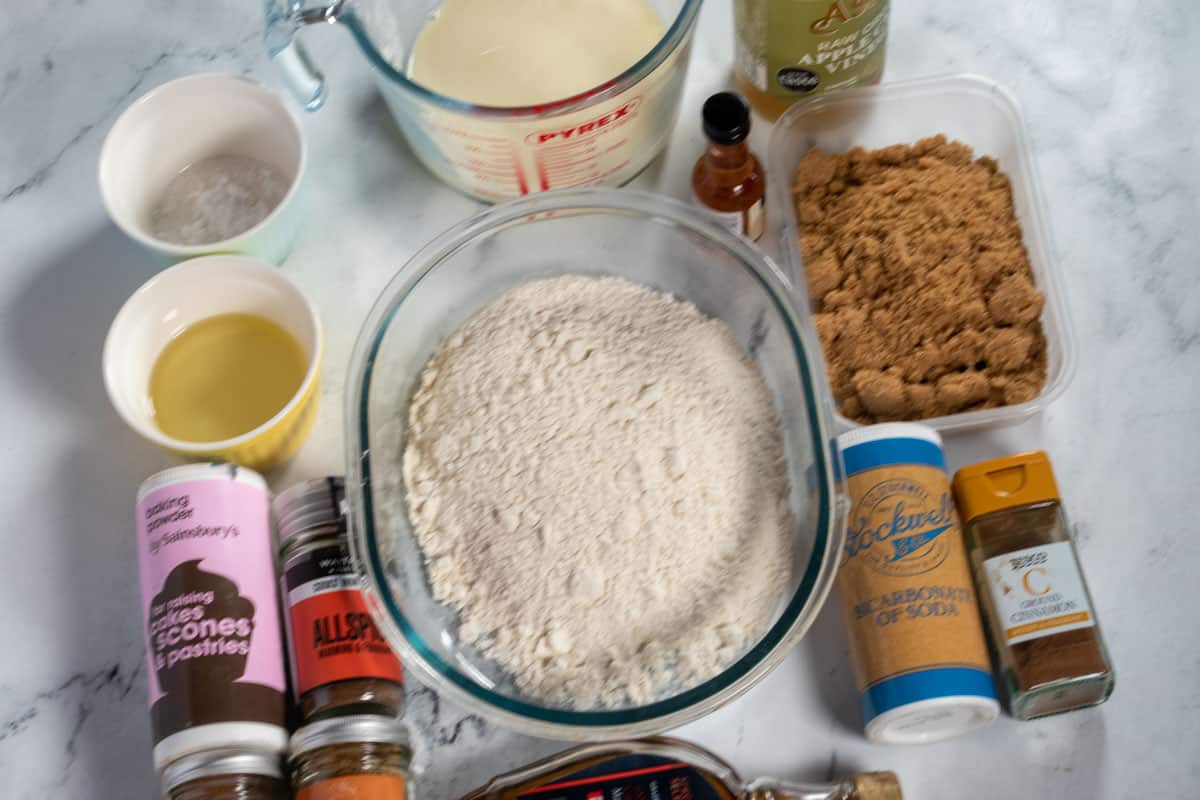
(973, 110)
(646, 238)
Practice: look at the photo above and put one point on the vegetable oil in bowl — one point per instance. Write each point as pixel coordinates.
(224, 376)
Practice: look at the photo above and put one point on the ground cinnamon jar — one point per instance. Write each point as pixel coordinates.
(361, 756)
(1042, 619)
(226, 774)
(340, 661)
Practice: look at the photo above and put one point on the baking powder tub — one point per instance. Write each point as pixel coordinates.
(210, 612)
(916, 636)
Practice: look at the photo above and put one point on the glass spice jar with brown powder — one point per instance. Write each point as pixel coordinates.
(340, 661)
(1042, 619)
(226, 774)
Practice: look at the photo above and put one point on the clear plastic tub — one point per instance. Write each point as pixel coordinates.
(973, 110)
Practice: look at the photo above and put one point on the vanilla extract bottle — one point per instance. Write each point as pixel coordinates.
(666, 768)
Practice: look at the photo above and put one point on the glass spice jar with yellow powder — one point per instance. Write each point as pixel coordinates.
(361, 756)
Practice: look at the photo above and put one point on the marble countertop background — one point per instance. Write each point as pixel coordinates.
(1111, 100)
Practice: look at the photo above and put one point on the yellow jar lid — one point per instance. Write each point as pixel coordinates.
(1017, 480)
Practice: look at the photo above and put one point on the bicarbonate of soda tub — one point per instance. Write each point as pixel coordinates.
(907, 597)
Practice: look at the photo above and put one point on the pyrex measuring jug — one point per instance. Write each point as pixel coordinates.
(603, 136)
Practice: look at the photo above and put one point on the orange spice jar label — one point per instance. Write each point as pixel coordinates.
(356, 787)
(333, 635)
(904, 579)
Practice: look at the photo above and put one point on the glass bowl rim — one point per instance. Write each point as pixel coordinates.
(817, 577)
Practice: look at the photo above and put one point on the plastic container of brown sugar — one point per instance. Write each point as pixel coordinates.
(972, 110)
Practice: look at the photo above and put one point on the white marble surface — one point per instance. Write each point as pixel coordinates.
(1109, 89)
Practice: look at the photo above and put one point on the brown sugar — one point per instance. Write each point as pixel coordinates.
(924, 299)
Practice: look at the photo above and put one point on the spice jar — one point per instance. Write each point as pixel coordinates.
(1043, 623)
(340, 662)
(362, 756)
(226, 774)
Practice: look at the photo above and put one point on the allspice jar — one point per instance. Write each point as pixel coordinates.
(361, 756)
(226, 774)
(340, 662)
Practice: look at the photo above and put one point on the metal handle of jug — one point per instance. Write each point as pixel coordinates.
(285, 19)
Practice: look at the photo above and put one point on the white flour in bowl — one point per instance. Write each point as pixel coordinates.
(596, 477)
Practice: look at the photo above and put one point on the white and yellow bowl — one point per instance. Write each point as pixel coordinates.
(185, 294)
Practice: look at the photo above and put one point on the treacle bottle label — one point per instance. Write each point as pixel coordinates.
(627, 777)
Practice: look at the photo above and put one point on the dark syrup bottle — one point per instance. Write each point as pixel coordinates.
(666, 768)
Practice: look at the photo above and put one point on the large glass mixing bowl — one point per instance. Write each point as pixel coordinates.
(645, 238)
(603, 136)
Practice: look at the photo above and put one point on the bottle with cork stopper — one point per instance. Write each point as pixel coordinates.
(728, 182)
(1042, 618)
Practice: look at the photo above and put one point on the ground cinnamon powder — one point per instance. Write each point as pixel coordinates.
(924, 298)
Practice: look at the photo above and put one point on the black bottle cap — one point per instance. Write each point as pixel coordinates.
(726, 118)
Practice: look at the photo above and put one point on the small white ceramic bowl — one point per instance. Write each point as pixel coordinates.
(187, 293)
(188, 120)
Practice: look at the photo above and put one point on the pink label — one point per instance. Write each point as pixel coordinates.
(209, 608)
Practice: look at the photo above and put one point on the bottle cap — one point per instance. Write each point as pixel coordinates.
(223, 761)
(890, 443)
(726, 118)
(877, 786)
(351, 728)
(934, 718)
(212, 471)
(308, 506)
(1017, 480)
(263, 736)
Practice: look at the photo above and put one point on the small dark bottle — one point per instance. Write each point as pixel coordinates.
(728, 181)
